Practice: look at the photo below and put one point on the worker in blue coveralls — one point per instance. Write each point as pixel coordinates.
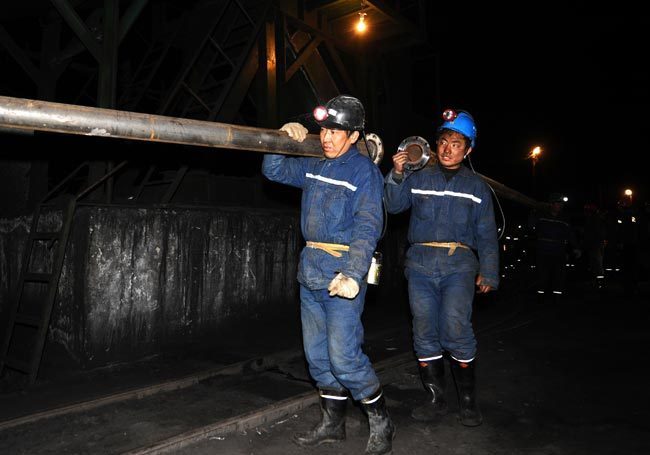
(453, 253)
(341, 221)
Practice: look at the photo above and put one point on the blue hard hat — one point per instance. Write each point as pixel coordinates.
(460, 122)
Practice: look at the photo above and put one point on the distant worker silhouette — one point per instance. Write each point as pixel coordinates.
(594, 240)
(625, 232)
(553, 238)
(341, 220)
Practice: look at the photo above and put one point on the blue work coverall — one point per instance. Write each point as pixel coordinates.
(341, 204)
(441, 282)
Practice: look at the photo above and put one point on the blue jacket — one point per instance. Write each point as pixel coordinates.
(341, 203)
(460, 210)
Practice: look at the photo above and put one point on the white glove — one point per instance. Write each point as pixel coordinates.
(295, 131)
(343, 286)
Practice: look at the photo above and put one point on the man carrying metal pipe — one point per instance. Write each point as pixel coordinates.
(341, 221)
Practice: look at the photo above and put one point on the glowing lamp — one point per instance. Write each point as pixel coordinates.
(320, 113)
(361, 25)
(449, 115)
(534, 153)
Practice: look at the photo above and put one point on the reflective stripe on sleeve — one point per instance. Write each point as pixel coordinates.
(447, 193)
(331, 181)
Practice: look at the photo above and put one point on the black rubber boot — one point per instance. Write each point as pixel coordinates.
(382, 430)
(331, 427)
(470, 414)
(432, 373)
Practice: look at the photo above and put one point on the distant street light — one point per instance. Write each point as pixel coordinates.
(628, 193)
(534, 156)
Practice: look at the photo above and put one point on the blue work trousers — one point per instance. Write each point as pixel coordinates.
(442, 314)
(332, 335)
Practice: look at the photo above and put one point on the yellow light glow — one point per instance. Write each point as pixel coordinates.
(361, 25)
(534, 153)
(628, 192)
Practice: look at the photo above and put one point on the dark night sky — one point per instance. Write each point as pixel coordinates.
(578, 87)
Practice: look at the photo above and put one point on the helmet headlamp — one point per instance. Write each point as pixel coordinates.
(449, 115)
(320, 113)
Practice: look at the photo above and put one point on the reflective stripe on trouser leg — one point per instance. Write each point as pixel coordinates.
(429, 359)
(332, 337)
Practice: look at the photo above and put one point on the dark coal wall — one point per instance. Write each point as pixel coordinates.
(140, 281)
(13, 234)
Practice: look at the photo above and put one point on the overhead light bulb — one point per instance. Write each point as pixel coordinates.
(361, 25)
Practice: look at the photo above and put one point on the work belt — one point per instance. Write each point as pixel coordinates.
(331, 248)
(451, 245)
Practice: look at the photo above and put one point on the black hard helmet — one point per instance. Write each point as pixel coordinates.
(342, 112)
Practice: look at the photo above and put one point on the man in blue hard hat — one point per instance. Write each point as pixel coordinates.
(341, 221)
(453, 253)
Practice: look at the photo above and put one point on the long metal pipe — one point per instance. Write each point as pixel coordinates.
(513, 195)
(26, 114)
(33, 115)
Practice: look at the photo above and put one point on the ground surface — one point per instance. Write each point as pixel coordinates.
(553, 378)
(565, 378)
